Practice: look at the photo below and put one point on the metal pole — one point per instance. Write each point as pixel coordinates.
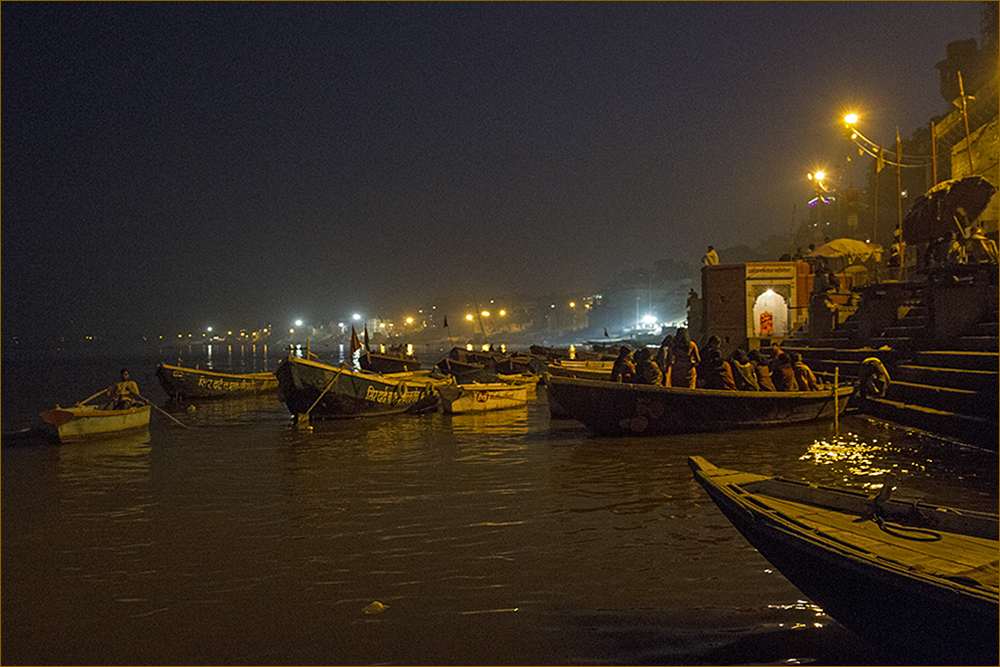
(836, 401)
(965, 114)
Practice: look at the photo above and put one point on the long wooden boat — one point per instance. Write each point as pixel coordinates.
(466, 372)
(590, 370)
(615, 408)
(315, 389)
(572, 353)
(88, 421)
(919, 578)
(477, 397)
(192, 383)
(388, 363)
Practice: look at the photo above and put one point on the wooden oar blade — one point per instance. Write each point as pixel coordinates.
(57, 417)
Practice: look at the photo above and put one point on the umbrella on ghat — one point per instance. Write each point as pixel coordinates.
(850, 249)
(934, 213)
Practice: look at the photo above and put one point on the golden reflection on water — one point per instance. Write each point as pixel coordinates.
(511, 421)
(848, 449)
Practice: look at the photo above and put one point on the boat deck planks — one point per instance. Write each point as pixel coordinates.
(952, 554)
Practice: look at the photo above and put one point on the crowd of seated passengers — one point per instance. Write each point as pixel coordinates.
(743, 371)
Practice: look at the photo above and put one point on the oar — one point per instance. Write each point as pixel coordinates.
(92, 397)
(162, 410)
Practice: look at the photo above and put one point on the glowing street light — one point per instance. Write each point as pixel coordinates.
(469, 317)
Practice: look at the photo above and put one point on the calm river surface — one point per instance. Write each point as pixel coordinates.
(501, 538)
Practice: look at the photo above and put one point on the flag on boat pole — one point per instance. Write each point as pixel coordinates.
(445, 321)
(367, 348)
(355, 342)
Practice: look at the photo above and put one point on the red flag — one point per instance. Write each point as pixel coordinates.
(355, 342)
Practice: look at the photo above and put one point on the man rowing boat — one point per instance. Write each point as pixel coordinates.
(123, 395)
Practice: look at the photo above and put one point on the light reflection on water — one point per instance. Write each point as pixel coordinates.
(496, 538)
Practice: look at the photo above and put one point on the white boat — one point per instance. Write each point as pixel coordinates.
(478, 397)
(86, 421)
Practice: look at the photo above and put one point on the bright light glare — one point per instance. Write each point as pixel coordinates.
(820, 175)
(649, 319)
(409, 320)
(851, 118)
(356, 316)
(298, 323)
(485, 313)
(469, 317)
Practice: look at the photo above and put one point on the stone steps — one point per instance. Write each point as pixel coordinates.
(967, 429)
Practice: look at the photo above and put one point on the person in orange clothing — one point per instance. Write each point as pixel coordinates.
(804, 376)
(682, 361)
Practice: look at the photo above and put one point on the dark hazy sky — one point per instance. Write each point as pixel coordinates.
(172, 166)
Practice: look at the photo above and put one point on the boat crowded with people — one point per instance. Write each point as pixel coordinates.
(617, 408)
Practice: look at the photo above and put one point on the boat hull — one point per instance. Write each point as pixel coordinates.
(482, 397)
(384, 363)
(84, 421)
(613, 408)
(330, 392)
(890, 588)
(191, 383)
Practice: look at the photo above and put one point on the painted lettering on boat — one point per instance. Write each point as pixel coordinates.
(392, 396)
(224, 385)
(486, 396)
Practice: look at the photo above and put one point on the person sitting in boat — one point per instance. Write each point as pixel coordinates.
(682, 361)
(646, 370)
(762, 371)
(714, 372)
(743, 372)
(783, 373)
(623, 369)
(804, 376)
(123, 395)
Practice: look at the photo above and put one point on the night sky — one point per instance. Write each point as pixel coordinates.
(168, 167)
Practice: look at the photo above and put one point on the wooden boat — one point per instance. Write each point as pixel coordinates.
(388, 363)
(466, 372)
(615, 408)
(919, 578)
(520, 364)
(574, 354)
(590, 370)
(192, 383)
(478, 397)
(88, 421)
(312, 388)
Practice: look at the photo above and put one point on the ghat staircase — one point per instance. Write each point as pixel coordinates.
(939, 339)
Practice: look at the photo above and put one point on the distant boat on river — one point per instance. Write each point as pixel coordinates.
(919, 579)
(192, 383)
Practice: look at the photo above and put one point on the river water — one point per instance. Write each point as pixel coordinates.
(499, 538)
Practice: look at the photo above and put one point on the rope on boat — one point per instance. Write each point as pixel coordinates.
(875, 514)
